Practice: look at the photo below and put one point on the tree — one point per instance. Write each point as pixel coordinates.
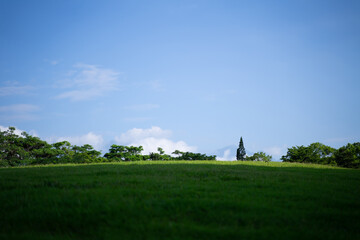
(160, 150)
(19, 149)
(178, 153)
(314, 153)
(322, 154)
(241, 153)
(134, 150)
(85, 154)
(124, 153)
(64, 151)
(260, 156)
(348, 156)
(192, 156)
(154, 156)
(11, 151)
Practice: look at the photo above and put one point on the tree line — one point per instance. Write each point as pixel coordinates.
(25, 149)
(347, 156)
(258, 156)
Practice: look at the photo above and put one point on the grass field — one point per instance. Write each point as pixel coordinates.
(180, 200)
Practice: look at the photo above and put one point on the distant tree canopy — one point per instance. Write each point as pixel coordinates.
(24, 149)
(192, 156)
(259, 156)
(124, 153)
(346, 156)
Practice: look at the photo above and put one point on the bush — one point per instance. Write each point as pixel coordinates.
(259, 156)
(314, 153)
(348, 156)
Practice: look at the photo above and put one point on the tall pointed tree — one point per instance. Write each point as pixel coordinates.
(240, 153)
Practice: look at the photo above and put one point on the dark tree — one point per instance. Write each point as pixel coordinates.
(348, 156)
(314, 153)
(240, 153)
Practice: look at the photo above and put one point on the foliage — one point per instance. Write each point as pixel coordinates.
(85, 154)
(24, 149)
(161, 156)
(259, 156)
(192, 156)
(124, 153)
(346, 156)
(161, 151)
(18, 150)
(241, 153)
(59, 152)
(130, 153)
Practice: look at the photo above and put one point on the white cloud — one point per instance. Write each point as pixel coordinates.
(276, 151)
(339, 141)
(18, 131)
(227, 153)
(89, 81)
(142, 107)
(18, 112)
(94, 140)
(137, 134)
(19, 108)
(157, 85)
(52, 62)
(137, 119)
(227, 156)
(154, 85)
(14, 89)
(151, 139)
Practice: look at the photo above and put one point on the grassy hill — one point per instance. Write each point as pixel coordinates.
(180, 200)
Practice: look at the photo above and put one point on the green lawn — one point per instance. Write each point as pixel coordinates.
(180, 200)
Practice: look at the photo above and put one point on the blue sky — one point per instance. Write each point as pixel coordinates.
(192, 75)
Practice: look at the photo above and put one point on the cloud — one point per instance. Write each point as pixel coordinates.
(18, 131)
(156, 85)
(151, 139)
(18, 112)
(227, 156)
(137, 134)
(137, 119)
(52, 62)
(94, 140)
(276, 151)
(228, 153)
(339, 141)
(14, 89)
(19, 108)
(89, 81)
(142, 107)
